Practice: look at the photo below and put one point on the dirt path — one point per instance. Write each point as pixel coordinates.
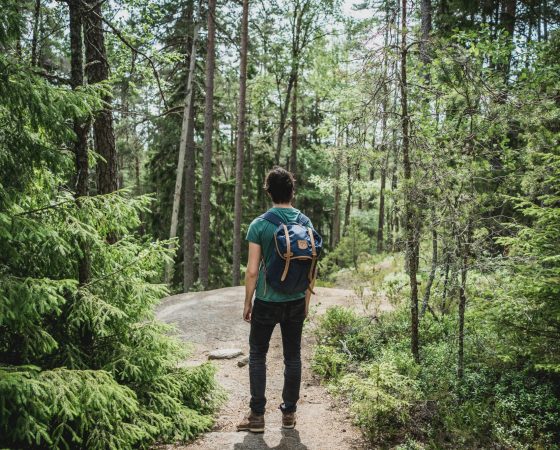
(212, 320)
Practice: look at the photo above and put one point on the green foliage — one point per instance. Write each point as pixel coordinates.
(328, 362)
(82, 364)
(353, 245)
(383, 400)
(396, 400)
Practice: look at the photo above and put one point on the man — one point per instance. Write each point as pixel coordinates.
(271, 307)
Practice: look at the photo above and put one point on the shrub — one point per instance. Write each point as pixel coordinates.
(337, 324)
(328, 362)
(383, 400)
(526, 413)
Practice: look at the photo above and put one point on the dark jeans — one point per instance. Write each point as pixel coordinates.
(265, 315)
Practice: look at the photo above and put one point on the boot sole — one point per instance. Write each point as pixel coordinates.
(289, 427)
(252, 430)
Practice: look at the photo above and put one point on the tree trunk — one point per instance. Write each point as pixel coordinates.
(294, 142)
(381, 217)
(283, 117)
(426, 299)
(240, 145)
(335, 234)
(409, 216)
(384, 148)
(189, 205)
(204, 256)
(35, 36)
(426, 28)
(462, 305)
(81, 129)
(97, 70)
(348, 207)
(187, 111)
(507, 23)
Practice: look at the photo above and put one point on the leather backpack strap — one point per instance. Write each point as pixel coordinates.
(313, 269)
(288, 254)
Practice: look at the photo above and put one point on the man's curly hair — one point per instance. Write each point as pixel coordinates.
(280, 184)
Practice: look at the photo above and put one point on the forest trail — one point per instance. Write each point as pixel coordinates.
(212, 320)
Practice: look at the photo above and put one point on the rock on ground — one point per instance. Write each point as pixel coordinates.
(225, 353)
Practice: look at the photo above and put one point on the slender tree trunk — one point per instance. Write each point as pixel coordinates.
(97, 70)
(348, 207)
(462, 305)
(189, 205)
(335, 235)
(283, 117)
(381, 217)
(81, 129)
(426, 28)
(204, 257)
(507, 23)
(409, 216)
(190, 163)
(35, 36)
(240, 145)
(182, 151)
(384, 148)
(431, 278)
(294, 142)
(445, 280)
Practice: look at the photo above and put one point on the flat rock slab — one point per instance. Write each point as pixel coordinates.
(225, 353)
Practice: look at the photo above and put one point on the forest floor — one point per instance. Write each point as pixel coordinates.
(212, 320)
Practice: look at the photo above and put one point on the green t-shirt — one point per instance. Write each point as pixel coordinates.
(262, 232)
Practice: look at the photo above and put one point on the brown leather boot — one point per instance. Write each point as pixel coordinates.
(252, 422)
(288, 420)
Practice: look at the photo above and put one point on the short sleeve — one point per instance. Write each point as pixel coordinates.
(254, 232)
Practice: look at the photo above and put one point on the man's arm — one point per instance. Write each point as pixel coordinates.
(251, 276)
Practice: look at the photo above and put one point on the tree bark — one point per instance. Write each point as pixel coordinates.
(240, 145)
(409, 216)
(204, 257)
(348, 208)
(187, 111)
(507, 23)
(381, 217)
(35, 36)
(335, 235)
(283, 118)
(294, 123)
(426, 28)
(384, 148)
(97, 70)
(81, 129)
(431, 278)
(462, 305)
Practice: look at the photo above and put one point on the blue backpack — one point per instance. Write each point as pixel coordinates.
(293, 267)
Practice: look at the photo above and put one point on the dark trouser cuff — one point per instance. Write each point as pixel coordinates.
(288, 408)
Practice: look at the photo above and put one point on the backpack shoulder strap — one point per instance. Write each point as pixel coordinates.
(272, 218)
(303, 220)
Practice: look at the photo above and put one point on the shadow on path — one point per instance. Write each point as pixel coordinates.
(290, 441)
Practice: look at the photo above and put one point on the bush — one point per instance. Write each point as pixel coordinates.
(328, 362)
(383, 400)
(526, 413)
(336, 324)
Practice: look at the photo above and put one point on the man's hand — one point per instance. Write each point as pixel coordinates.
(247, 310)
(306, 309)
